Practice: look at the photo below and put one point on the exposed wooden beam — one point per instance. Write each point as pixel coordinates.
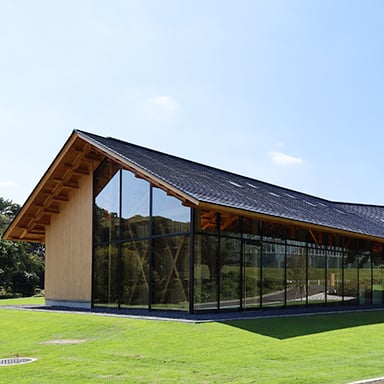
(280, 220)
(81, 171)
(60, 198)
(52, 209)
(71, 184)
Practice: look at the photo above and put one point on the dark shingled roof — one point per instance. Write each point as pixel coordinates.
(212, 185)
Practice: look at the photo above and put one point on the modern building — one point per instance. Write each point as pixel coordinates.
(129, 227)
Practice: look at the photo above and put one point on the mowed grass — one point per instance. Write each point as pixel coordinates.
(337, 348)
(22, 300)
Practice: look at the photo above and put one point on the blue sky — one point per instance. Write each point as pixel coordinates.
(289, 92)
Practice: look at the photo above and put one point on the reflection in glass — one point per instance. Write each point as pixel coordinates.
(135, 278)
(205, 273)
(239, 262)
(296, 275)
(105, 276)
(170, 273)
(169, 215)
(335, 276)
(350, 276)
(273, 275)
(365, 276)
(135, 207)
(377, 274)
(107, 203)
(251, 273)
(230, 272)
(316, 275)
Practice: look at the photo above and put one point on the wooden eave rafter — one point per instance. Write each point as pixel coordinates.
(77, 158)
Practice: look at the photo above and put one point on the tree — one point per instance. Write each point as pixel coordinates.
(21, 264)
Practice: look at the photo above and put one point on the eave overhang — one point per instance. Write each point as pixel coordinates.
(289, 222)
(79, 156)
(76, 159)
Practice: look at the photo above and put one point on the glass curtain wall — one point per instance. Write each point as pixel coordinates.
(141, 243)
(242, 264)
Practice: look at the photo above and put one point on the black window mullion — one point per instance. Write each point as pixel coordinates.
(119, 249)
(218, 260)
(285, 267)
(150, 251)
(261, 262)
(241, 264)
(358, 253)
(342, 243)
(371, 263)
(306, 267)
(192, 261)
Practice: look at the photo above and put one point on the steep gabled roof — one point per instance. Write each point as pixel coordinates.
(206, 184)
(200, 185)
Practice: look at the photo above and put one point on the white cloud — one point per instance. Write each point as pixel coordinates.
(281, 158)
(7, 184)
(163, 102)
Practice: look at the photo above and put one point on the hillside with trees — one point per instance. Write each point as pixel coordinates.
(21, 264)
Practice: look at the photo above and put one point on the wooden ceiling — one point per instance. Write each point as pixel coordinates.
(77, 159)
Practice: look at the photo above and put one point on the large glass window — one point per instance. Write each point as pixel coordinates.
(205, 273)
(251, 273)
(143, 245)
(273, 274)
(134, 207)
(124, 249)
(365, 273)
(106, 276)
(350, 286)
(135, 276)
(377, 274)
(107, 225)
(168, 214)
(317, 287)
(230, 272)
(335, 275)
(170, 273)
(296, 275)
(107, 194)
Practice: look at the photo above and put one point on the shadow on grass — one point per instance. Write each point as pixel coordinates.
(296, 326)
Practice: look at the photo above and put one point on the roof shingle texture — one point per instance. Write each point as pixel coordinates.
(212, 185)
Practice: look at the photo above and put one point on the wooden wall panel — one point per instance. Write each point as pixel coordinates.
(68, 275)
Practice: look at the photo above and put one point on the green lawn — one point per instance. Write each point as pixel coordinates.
(22, 300)
(307, 349)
